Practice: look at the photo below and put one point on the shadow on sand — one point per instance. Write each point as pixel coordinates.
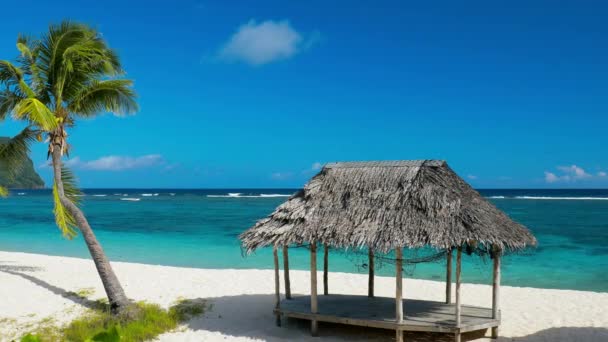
(251, 316)
(18, 270)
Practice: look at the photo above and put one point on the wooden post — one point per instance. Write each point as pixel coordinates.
(325, 269)
(399, 292)
(448, 277)
(313, 287)
(277, 286)
(496, 291)
(370, 280)
(286, 272)
(458, 270)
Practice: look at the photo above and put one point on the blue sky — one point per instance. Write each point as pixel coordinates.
(244, 94)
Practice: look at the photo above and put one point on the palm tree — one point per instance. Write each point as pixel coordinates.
(69, 73)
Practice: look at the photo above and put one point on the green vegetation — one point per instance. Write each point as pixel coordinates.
(16, 169)
(100, 325)
(83, 293)
(27, 178)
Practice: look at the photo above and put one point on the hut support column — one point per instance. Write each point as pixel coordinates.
(496, 291)
(286, 272)
(325, 269)
(277, 286)
(458, 270)
(448, 277)
(399, 292)
(370, 281)
(314, 329)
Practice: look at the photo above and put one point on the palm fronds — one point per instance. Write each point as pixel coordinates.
(36, 113)
(115, 96)
(29, 55)
(70, 185)
(12, 75)
(15, 150)
(3, 191)
(8, 100)
(63, 218)
(72, 54)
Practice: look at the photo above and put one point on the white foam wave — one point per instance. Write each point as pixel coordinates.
(21, 193)
(132, 199)
(240, 195)
(100, 195)
(563, 198)
(496, 197)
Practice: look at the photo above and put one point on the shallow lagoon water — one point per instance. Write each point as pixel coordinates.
(200, 228)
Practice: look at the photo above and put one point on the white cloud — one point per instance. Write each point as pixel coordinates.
(317, 166)
(471, 177)
(570, 173)
(551, 177)
(281, 175)
(574, 171)
(260, 43)
(116, 163)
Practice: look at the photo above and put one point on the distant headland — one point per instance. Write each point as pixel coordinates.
(26, 179)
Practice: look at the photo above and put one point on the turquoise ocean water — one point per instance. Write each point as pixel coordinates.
(200, 228)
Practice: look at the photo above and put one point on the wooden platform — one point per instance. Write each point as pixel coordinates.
(379, 312)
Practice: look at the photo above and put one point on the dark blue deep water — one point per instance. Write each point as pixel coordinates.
(199, 228)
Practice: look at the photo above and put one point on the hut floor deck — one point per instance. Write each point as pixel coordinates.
(379, 312)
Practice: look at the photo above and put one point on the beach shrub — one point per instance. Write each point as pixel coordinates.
(31, 338)
(100, 325)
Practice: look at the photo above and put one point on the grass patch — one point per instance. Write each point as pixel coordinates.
(185, 309)
(100, 325)
(84, 292)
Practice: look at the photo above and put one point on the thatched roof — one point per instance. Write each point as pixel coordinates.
(387, 205)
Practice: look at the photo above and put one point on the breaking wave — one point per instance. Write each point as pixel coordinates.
(240, 195)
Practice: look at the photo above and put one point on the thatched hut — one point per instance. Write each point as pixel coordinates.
(384, 207)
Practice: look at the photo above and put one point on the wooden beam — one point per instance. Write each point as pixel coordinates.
(458, 271)
(399, 292)
(370, 280)
(325, 269)
(277, 286)
(496, 291)
(286, 272)
(448, 277)
(314, 329)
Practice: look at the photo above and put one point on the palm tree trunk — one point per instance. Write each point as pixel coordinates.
(116, 295)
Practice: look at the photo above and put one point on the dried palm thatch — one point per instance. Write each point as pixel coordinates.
(388, 205)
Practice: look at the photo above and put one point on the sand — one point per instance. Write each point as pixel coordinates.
(39, 288)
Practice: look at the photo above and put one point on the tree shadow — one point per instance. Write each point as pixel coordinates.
(17, 270)
(578, 334)
(251, 316)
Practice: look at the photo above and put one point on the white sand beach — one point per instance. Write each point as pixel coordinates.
(38, 288)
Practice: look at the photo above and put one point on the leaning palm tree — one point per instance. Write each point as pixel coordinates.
(68, 74)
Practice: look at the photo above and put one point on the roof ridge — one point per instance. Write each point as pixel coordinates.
(386, 163)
